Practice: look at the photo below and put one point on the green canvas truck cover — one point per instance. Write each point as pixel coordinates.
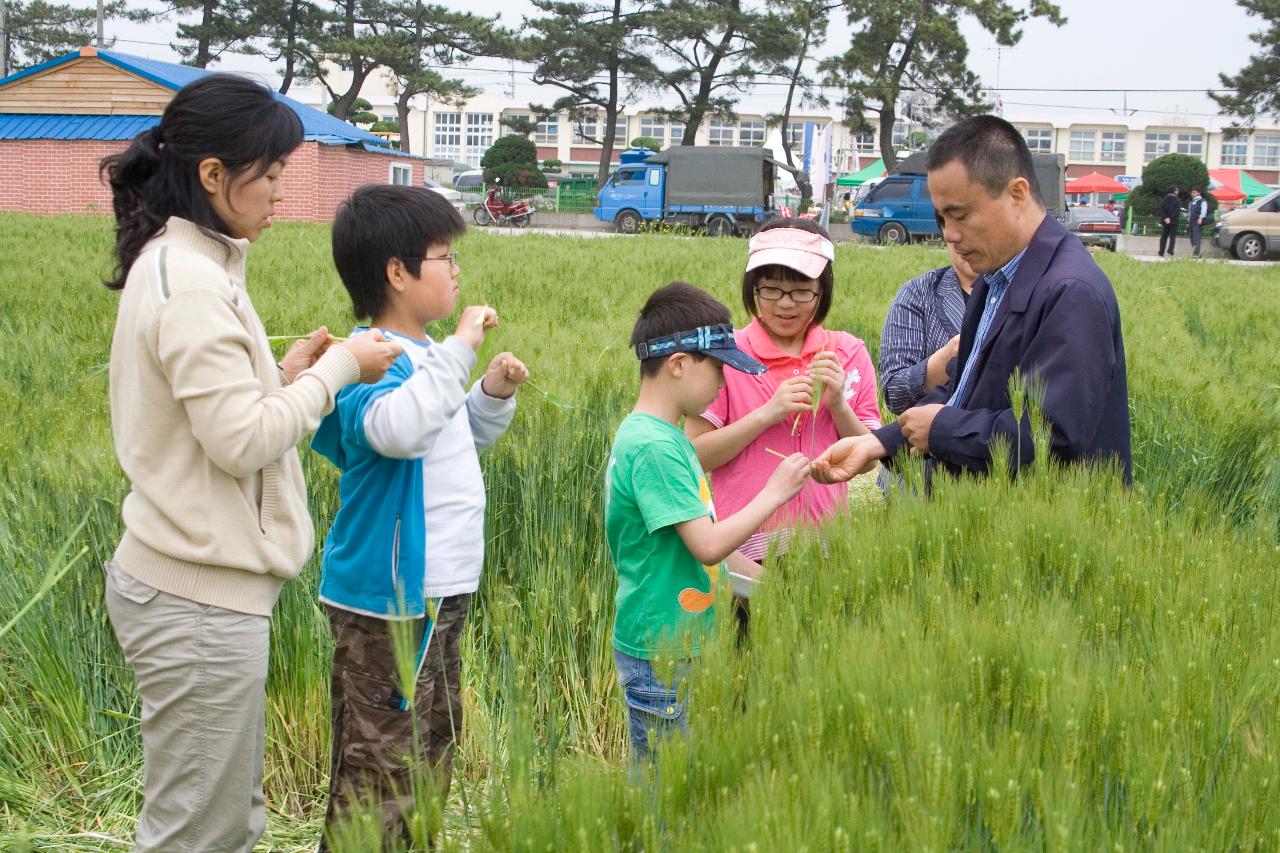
(718, 176)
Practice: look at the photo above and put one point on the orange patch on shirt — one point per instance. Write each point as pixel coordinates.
(694, 601)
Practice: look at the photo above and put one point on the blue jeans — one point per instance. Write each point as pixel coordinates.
(654, 709)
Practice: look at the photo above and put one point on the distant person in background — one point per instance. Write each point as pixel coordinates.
(1110, 207)
(1170, 211)
(922, 332)
(1197, 212)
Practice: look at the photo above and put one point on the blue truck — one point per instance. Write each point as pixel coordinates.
(899, 209)
(726, 190)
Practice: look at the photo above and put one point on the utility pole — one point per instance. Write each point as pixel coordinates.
(100, 38)
(4, 44)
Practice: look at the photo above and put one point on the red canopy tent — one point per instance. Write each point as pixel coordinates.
(1095, 182)
(1227, 194)
(1230, 185)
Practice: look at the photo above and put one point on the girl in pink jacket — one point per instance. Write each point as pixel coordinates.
(787, 289)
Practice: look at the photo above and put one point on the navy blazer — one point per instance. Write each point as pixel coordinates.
(1060, 323)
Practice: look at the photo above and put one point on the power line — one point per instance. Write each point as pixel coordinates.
(508, 75)
(1113, 109)
(784, 82)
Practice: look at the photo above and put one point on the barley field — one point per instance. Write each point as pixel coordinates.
(1048, 664)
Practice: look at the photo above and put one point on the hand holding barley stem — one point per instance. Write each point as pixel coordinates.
(813, 407)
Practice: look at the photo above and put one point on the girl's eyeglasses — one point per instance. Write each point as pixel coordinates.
(799, 297)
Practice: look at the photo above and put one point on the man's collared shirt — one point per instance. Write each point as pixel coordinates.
(926, 313)
(997, 286)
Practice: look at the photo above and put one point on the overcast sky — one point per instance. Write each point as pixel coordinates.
(1105, 44)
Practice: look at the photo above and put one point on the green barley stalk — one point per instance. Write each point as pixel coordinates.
(58, 567)
(277, 338)
(813, 408)
(991, 646)
(549, 397)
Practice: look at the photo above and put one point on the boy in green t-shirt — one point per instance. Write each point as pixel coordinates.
(666, 542)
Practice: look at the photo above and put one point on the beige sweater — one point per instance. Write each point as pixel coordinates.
(205, 432)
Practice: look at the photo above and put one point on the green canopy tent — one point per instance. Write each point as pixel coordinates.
(1253, 189)
(860, 177)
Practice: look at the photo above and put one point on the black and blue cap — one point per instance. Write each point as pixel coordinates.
(716, 341)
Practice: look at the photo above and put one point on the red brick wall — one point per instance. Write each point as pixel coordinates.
(589, 155)
(1078, 170)
(320, 177)
(47, 176)
(61, 176)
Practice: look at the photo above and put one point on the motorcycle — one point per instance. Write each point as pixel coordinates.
(495, 208)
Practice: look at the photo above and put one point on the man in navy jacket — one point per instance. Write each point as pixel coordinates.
(1041, 305)
(1170, 213)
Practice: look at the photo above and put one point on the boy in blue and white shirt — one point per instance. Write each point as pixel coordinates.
(408, 539)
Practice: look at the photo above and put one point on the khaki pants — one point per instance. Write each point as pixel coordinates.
(202, 675)
(375, 758)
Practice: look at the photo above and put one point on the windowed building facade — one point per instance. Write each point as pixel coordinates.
(1110, 143)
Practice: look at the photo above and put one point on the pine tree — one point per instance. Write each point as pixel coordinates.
(1257, 85)
(917, 45)
(708, 52)
(572, 46)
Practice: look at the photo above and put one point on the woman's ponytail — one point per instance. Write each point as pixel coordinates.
(233, 119)
(129, 174)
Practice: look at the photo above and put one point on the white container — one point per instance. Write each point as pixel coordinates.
(742, 585)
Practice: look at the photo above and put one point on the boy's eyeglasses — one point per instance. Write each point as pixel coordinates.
(799, 297)
(452, 258)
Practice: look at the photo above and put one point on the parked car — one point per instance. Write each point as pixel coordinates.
(896, 210)
(471, 185)
(1250, 233)
(899, 208)
(1095, 226)
(452, 196)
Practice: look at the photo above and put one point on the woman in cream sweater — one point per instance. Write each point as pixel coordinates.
(205, 426)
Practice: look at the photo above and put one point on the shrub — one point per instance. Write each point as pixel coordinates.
(360, 112)
(646, 142)
(1178, 170)
(511, 149)
(1144, 202)
(516, 175)
(513, 161)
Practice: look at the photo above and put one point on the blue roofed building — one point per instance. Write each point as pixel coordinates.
(60, 118)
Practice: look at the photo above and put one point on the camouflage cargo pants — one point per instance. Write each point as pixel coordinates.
(374, 755)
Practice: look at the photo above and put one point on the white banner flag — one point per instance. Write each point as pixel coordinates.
(820, 162)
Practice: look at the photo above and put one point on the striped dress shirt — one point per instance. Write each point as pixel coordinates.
(997, 286)
(924, 315)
